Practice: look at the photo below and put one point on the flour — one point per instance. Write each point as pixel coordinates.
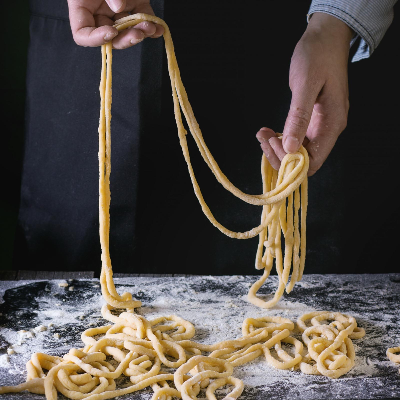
(4, 361)
(217, 306)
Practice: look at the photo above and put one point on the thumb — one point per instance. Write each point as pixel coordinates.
(299, 116)
(116, 5)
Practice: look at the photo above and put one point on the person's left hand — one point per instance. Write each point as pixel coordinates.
(92, 22)
(319, 85)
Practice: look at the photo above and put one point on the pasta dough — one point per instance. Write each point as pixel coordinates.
(144, 350)
(393, 355)
(141, 350)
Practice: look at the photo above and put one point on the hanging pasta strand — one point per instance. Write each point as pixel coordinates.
(106, 278)
(280, 192)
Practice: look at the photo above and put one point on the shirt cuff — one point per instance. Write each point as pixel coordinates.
(369, 20)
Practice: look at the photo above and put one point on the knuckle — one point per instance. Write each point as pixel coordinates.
(145, 25)
(299, 117)
(77, 40)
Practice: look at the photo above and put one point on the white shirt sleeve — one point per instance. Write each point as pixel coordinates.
(369, 19)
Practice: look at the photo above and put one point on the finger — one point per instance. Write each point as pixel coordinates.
(147, 9)
(128, 38)
(84, 29)
(270, 154)
(327, 123)
(134, 35)
(263, 136)
(277, 146)
(131, 36)
(318, 151)
(304, 95)
(116, 5)
(148, 28)
(125, 38)
(159, 31)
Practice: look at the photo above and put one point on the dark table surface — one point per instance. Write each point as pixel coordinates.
(216, 306)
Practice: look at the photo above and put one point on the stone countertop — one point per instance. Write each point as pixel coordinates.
(217, 306)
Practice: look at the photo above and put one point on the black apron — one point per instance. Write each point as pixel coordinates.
(236, 76)
(58, 218)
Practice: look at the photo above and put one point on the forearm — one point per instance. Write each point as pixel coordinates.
(368, 19)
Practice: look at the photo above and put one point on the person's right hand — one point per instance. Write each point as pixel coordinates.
(320, 95)
(92, 22)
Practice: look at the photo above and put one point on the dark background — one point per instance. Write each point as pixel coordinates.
(234, 63)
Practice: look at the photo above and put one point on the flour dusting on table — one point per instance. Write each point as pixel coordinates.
(53, 317)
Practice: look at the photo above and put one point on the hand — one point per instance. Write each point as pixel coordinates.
(92, 20)
(319, 85)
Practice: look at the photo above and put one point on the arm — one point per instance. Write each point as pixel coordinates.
(318, 79)
(368, 19)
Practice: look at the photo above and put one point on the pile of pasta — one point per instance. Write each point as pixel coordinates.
(144, 352)
(393, 356)
(330, 348)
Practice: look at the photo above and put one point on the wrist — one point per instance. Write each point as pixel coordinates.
(326, 24)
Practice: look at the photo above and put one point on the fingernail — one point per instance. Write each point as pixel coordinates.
(115, 5)
(261, 138)
(291, 144)
(110, 36)
(136, 41)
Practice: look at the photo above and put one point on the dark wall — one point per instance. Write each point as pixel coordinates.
(234, 63)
